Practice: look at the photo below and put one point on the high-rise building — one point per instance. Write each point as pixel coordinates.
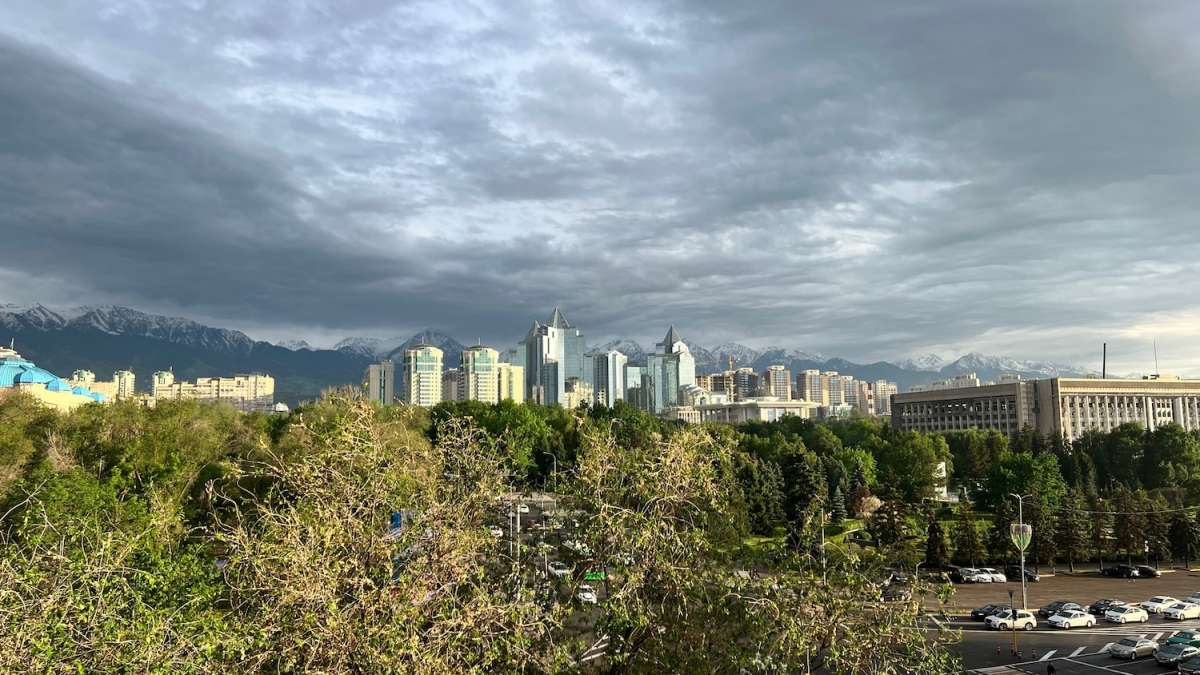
(423, 375)
(160, 382)
(478, 375)
(837, 385)
(668, 369)
(745, 384)
(884, 391)
(451, 380)
(125, 380)
(635, 391)
(777, 382)
(608, 379)
(810, 386)
(575, 360)
(577, 393)
(510, 382)
(381, 382)
(862, 397)
(546, 359)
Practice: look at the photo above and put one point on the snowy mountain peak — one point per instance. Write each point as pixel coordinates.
(931, 362)
(294, 345)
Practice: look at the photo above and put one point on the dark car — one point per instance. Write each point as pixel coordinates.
(1120, 572)
(1101, 606)
(1058, 606)
(1147, 572)
(981, 613)
(1014, 572)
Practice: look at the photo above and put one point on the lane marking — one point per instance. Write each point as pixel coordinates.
(1077, 652)
(1105, 648)
(1096, 665)
(1048, 655)
(1156, 637)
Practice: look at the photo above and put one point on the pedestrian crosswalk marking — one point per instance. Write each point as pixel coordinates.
(1156, 637)
(1048, 655)
(1079, 651)
(1106, 647)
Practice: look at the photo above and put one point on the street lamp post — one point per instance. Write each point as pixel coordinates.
(1022, 543)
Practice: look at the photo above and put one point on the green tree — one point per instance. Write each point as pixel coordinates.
(936, 552)
(837, 507)
(1129, 525)
(1184, 538)
(968, 545)
(1072, 529)
(1000, 544)
(911, 460)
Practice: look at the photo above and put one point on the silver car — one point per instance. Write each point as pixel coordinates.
(1132, 648)
(1169, 655)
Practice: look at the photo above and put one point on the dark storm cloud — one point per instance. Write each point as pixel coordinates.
(858, 178)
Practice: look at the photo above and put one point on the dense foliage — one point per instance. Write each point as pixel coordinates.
(191, 538)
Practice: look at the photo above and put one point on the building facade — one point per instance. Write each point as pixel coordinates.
(1057, 406)
(608, 378)
(883, 392)
(763, 409)
(669, 368)
(423, 375)
(776, 382)
(450, 382)
(479, 375)
(381, 382)
(510, 382)
(245, 392)
(20, 375)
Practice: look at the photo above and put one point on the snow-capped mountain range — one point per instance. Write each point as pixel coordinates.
(97, 336)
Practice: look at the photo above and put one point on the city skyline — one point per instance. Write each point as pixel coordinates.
(297, 172)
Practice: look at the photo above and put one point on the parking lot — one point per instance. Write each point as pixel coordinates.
(1078, 650)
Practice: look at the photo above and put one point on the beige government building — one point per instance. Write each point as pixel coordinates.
(1060, 405)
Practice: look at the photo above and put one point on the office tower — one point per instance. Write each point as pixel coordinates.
(381, 382)
(577, 393)
(609, 377)
(777, 382)
(635, 392)
(835, 385)
(705, 382)
(423, 375)
(450, 385)
(510, 382)
(124, 380)
(574, 360)
(668, 369)
(810, 387)
(745, 384)
(545, 355)
(863, 398)
(83, 378)
(884, 391)
(479, 375)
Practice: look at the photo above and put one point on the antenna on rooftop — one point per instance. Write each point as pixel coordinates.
(1104, 363)
(1156, 358)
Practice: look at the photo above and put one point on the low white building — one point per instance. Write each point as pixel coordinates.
(764, 409)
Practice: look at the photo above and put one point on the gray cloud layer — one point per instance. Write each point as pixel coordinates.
(859, 178)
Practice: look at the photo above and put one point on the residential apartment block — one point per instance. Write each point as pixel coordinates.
(246, 392)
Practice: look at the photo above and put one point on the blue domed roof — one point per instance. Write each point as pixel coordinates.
(82, 391)
(35, 375)
(96, 396)
(57, 385)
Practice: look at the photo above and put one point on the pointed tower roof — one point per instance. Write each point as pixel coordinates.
(557, 320)
(672, 337)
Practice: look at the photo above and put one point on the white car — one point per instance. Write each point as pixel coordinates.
(976, 576)
(1012, 619)
(1072, 618)
(558, 568)
(1126, 614)
(1158, 603)
(1181, 611)
(587, 595)
(993, 575)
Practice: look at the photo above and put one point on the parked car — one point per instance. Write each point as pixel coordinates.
(587, 595)
(1012, 619)
(1182, 611)
(1016, 571)
(1056, 607)
(993, 575)
(1126, 614)
(974, 575)
(1184, 637)
(1102, 605)
(1072, 618)
(1190, 666)
(558, 568)
(1131, 648)
(981, 613)
(1169, 655)
(1120, 571)
(1147, 572)
(1158, 603)
(1194, 597)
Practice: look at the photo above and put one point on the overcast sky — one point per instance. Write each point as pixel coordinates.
(870, 180)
